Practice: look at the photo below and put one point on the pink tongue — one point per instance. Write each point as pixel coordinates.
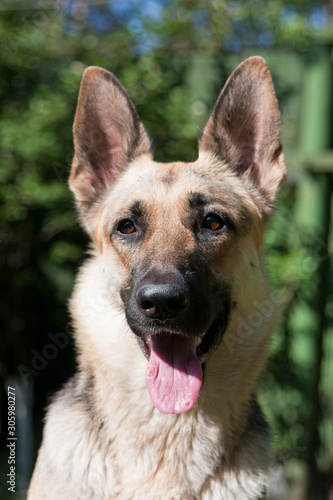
(174, 373)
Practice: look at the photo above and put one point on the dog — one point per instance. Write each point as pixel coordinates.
(163, 405)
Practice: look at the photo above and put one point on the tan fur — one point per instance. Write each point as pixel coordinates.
(103, 437)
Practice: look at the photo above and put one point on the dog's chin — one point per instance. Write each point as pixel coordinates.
(206, 342)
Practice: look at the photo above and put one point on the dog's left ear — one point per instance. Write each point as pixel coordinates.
(107, 135)
(244, 127)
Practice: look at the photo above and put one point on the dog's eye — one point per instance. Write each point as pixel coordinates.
(126, 227)
(213, 222)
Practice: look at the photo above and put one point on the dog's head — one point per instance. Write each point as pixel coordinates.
(184, 237)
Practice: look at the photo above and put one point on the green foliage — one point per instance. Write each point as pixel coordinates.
(173, 66)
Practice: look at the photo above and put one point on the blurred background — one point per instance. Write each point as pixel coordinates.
(173, 57)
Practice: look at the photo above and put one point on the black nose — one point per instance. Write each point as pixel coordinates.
(162, 301)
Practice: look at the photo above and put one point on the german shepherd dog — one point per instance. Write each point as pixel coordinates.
(163, 405)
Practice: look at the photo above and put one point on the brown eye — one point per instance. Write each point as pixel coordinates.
(213, 222)
(126, 227)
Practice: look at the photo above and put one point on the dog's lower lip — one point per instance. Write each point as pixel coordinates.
(145, 344)
(211, 339)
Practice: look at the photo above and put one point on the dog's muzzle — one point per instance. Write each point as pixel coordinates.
(179, 322)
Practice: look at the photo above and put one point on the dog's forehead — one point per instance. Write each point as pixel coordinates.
(168, 189)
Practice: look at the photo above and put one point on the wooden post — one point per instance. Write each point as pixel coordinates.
(313, 215)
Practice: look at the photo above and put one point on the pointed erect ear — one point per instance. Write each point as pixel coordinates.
(107, 135)
(244, 128)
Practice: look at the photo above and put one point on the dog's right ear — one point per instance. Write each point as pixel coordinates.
(107, 135)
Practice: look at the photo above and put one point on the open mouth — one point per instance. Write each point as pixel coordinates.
(174, 368)
(205, 344)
